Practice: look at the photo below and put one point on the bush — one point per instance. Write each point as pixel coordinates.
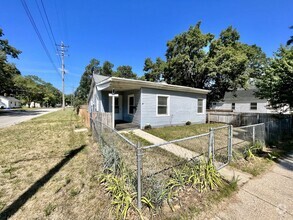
(147, 126)
(188, 123)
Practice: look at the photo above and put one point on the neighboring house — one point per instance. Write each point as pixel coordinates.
(148, 103)
(33, 105)
(9, 102)
(243, 101)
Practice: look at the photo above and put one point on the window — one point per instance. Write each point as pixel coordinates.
(116, 105)
(200, 106)
(233, 106)
(131, 105)
(162, 105)
(253, 106)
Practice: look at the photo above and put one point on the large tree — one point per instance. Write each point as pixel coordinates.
(33, 89)
(276, 84)
(154, 70)
(107, 69)
(200, 60)
(125, 72)
(85, 82)
(7, 70)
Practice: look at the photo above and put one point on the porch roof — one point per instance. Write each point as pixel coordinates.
(123, 84)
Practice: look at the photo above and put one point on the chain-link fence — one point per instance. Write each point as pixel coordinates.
(152, 165)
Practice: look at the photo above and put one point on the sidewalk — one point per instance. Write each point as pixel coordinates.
(267, 197)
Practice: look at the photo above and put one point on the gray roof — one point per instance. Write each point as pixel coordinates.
(99, 78)
(12, 99)
(123, 84)
(242, 95)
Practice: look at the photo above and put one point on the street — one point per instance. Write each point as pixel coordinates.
(12, 117)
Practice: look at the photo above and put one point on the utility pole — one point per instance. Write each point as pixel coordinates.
(62, 51)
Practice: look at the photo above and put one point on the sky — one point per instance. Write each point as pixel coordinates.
(127, 32)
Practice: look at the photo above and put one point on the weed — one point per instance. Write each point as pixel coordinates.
(49, 209)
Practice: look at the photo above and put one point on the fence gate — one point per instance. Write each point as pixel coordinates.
(220, 145)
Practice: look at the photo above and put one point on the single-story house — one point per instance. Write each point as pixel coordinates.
(243, 101)
(9, 102)
(148, 103)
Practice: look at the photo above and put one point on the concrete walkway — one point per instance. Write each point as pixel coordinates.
(267, 197)
(173, 148)
(227, 172)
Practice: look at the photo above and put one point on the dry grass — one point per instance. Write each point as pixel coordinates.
(38, 166)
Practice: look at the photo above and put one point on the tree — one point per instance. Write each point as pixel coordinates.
(7, 70)
(85, 82)
(199, 60)
(125, 72)
(107, 69)
(276, 84)
(33, 89)
(153, 71)
(290, 41)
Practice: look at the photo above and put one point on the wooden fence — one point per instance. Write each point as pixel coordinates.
(84, 114)
(241, 119)
(103, 117)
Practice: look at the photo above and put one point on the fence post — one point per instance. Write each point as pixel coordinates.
(230, 142)
(211, 143)
(253, 135)
(139, 172)
(91, 117)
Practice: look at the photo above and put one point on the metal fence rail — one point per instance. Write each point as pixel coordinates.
(153, 164)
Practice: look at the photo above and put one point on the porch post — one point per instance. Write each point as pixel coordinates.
(113, 95)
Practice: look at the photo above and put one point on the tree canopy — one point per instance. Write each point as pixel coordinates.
(7, 70)
(200, 60)
(276, 83)
(33, 89)
(106, 69)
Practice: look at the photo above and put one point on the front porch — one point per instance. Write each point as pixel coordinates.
(123, 125)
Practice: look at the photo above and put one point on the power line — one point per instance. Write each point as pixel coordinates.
(38, 33)
(50, 37)
(49, 24)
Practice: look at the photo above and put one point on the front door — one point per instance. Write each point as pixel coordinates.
(118, 107)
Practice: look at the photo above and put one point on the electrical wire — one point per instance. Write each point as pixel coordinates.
(38, 34)
(50, 37)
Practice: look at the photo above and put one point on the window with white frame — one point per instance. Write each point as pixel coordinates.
(233, 106)
(131, 105)
(162, 105)
(200, 106)
(253, 106)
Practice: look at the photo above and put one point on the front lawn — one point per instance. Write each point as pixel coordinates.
(48, 171)
(176, 132)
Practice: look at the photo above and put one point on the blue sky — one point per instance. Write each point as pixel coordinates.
(127, 32)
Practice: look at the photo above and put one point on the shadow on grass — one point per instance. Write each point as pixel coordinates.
(22, 199)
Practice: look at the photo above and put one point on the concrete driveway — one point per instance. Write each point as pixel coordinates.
(12, 117)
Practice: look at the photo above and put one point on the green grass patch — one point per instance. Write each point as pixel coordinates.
(176, 132)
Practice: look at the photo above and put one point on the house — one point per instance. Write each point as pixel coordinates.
(243, 101)
(148, 103)
(9, 102)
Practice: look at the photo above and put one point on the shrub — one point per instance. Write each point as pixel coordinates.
(147, 126)
(188, 123)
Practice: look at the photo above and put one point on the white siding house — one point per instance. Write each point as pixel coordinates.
(243, 101)
(9, 102)
(148, 103)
